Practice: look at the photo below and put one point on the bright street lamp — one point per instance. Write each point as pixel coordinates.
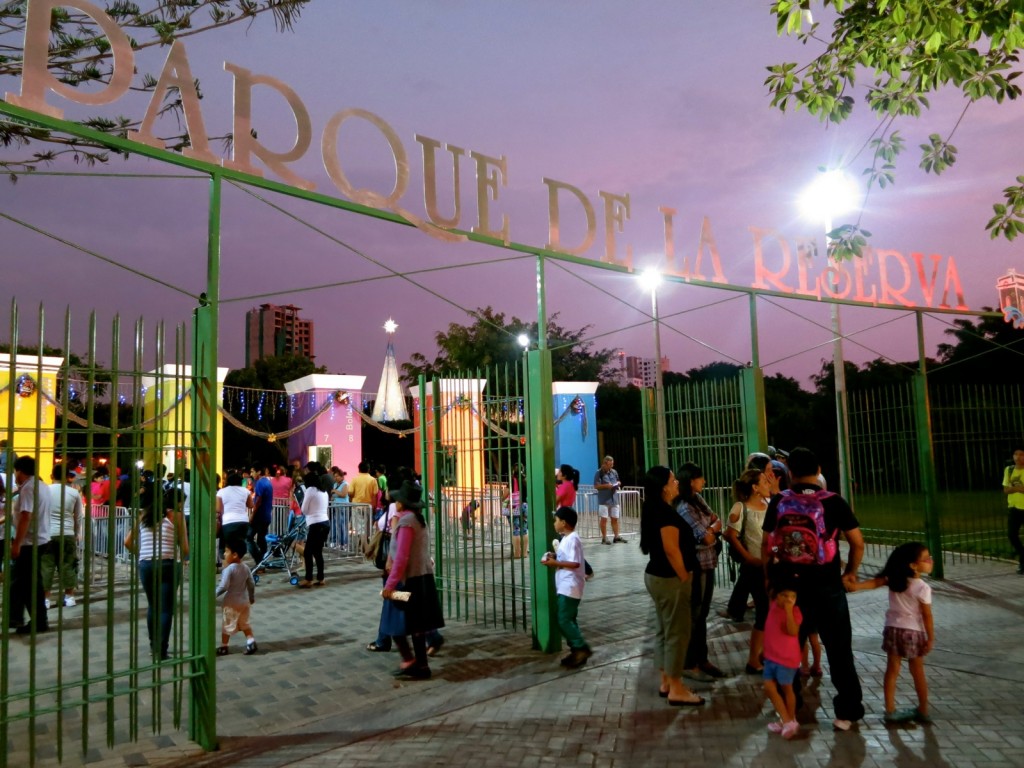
(524, 340)
(650, 279)
(833, 194)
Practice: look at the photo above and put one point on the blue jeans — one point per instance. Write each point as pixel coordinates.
(339, 526)
(159, 581)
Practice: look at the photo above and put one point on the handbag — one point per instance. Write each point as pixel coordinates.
(380, 558)
(379, 546)
(734, 553)
(372, 545)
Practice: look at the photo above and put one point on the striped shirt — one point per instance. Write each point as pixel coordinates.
(157, 547)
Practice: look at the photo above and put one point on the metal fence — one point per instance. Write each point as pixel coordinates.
(475, 432)
(973, 430)
(120, 420)
(705, 424)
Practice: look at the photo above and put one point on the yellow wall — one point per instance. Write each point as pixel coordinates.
(172, 432)
(31, 412)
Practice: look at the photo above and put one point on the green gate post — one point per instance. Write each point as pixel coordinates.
(540, 465)
(648, 409)
(926, 455)
(202, 607)
(755, 424)
(433, 478)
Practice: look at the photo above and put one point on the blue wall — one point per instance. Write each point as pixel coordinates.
(571, 445)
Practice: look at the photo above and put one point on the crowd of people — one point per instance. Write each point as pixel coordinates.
(782, 533)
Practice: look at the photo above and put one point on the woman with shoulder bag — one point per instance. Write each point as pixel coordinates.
(411, 570)
(751, 492)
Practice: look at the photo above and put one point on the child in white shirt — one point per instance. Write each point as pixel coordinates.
(569, 580)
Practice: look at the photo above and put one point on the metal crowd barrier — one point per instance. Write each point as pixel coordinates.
(351, 526)
(588, 525)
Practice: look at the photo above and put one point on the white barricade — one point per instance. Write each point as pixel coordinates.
(351, 526)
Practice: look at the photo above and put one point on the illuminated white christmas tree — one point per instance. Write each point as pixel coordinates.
(390, 402)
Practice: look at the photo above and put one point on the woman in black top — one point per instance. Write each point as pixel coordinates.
(673, 558)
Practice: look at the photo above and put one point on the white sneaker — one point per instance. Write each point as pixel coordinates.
(69, 601)
(842, 725)
(46, 603)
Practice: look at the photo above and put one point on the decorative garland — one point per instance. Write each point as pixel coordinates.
(74, 417)
(25, 386)
(1013, 315)
(576, 408)
(336, 397)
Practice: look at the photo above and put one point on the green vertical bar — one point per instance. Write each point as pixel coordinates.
(646, 409)
(440, 513)
(202, 607)
(431, 507)
(925, 453)
(755, 422)
(540, 459)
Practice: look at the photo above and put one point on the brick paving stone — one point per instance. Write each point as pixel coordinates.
(313, 696)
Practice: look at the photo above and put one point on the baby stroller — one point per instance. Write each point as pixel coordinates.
(281, 550)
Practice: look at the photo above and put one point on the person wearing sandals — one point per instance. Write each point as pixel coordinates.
(411, 570)
(318, 527)
(751, 491)
(667, 540)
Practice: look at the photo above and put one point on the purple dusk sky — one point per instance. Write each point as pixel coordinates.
(661, 100)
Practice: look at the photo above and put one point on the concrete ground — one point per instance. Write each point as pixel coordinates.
(313, 696)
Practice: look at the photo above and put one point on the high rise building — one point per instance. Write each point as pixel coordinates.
(272, 330)
(639, 371)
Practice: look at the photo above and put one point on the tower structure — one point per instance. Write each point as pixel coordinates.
(273, 330)
(390, 402)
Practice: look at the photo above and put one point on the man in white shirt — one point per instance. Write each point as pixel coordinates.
(61, 556)
(31, 535)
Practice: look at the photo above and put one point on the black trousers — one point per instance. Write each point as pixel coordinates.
(825, 611)
(700, 606)
(1014, 523)
(316, 537)
(26, 575)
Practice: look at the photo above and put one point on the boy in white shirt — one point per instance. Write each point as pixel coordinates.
(568, 564)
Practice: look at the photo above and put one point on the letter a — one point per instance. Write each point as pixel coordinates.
(177, 74)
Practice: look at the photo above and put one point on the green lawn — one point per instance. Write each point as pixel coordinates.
(969, 521)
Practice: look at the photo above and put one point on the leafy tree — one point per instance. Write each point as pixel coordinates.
(910, 49)
(619, 420)
(992, 349)
(875, 374)
(492, 340)
(268, 374)
(79, 54)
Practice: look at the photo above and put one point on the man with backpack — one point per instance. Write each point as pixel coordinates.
(801, 527)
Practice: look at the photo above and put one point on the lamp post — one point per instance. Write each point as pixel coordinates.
(832, 194)
(651, 279)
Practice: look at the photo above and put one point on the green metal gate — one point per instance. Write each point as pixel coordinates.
(123, 426)
(973, 429)
(475, 471)
(708, 423)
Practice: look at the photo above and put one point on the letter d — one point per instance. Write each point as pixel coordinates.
(36, 78)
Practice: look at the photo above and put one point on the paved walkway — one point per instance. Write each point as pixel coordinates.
(313, 696)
